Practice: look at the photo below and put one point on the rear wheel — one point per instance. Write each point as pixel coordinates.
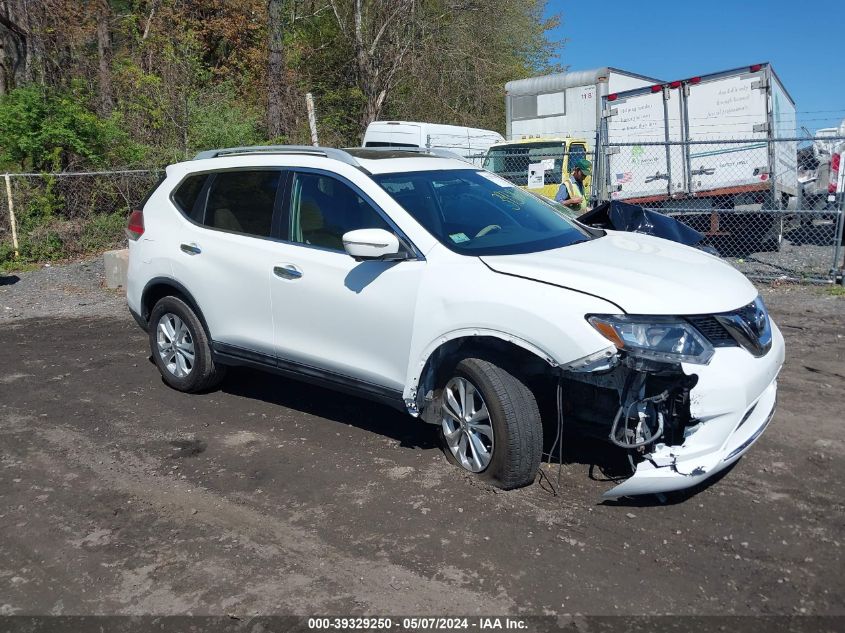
(490, 423)
(181, 348)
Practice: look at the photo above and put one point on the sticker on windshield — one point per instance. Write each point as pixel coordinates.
(495, 179)
(457, 238)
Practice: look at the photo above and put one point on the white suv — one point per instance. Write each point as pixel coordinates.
(441, 289)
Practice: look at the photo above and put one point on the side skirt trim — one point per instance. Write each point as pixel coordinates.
(227, 354)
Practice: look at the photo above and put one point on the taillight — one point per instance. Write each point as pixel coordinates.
(835, 161)
(695, 80)
(756, 68)
(135, 227)
(675, 84)
(657, 88)
(612, 97)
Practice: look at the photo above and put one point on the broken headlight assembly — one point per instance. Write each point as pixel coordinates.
(658, 338)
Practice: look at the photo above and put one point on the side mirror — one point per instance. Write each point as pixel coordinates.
(368, 244)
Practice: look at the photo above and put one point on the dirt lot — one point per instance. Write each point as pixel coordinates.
(121, 496)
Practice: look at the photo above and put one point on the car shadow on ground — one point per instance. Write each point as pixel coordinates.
(8, 280)
(606, 463)
(330, 405)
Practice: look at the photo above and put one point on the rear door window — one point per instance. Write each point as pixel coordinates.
(243, 201)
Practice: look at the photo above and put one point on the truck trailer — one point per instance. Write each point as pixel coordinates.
(551, 121)
(709, 143)
(564, 104)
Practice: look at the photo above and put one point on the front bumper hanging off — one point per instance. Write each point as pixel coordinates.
(731, 405)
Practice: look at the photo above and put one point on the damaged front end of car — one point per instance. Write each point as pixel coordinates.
(684, 397)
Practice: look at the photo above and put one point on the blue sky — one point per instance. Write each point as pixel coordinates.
(680, 39)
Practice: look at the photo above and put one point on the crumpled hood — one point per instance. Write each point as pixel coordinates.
(639, 273)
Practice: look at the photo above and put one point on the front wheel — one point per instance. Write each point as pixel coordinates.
(490, 423)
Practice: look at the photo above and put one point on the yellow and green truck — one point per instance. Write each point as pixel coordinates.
(537, 164)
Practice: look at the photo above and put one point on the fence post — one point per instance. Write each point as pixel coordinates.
(836, 270)
(12, 214)
(312, 118)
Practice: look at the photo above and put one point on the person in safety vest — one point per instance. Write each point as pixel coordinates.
(571, 192)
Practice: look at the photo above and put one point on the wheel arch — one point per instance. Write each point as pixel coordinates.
(160, 287)
(459, 343)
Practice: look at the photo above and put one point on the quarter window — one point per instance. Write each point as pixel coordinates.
(187, 193)
(243, 201)
(322, 209)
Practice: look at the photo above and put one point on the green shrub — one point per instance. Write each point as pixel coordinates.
(103, 232)
(49, 129)
(218, 118)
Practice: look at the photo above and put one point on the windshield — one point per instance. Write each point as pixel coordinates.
(511, 161)
(478, 213)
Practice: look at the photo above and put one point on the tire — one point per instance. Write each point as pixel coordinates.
(172, 319)
(516, 445)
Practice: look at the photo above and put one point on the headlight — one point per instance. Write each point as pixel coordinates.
(667, 339)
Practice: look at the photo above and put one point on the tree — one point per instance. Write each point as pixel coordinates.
(13, 47)
(152, 63)
(382, 34)
(104, 54)
(275, 69)
(460, 66)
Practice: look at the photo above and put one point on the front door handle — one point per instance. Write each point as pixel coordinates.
(191, 249)
(287, 271)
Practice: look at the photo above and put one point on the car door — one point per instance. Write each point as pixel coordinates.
(342, 317)
(226, 250)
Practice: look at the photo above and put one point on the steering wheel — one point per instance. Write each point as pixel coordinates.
(488, 229)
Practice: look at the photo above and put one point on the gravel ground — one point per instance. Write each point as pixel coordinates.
(69, 290)
(119, 495)
(793, 260)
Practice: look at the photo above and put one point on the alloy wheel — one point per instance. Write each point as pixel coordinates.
(175, 345)
(466, 425)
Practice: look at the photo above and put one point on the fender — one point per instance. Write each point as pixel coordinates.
(189, 299)
(409, 394)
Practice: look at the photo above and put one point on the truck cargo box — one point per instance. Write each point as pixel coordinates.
(655, 139)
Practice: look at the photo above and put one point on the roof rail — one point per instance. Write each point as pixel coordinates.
(432, 151)
(328, 152)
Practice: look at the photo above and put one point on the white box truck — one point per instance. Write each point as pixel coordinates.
(744, 111)
(564, 104)
(468, 142)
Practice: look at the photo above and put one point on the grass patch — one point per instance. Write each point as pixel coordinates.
(13, 266)
(835, 290)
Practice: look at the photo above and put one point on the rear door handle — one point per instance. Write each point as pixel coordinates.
(191, 249)
(287, 271)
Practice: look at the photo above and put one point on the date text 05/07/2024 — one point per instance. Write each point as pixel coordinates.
(418, 623)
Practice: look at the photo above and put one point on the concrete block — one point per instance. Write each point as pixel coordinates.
(117, 266)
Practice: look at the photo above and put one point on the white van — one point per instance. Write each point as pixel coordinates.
(468, 142)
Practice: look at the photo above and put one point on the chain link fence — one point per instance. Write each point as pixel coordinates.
(773, 208)
(65, 215)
